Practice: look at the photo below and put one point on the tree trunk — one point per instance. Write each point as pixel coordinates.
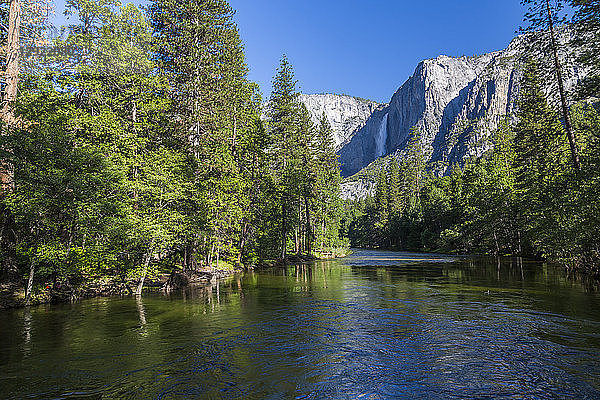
(135, 154)
(147, 258)
(301, 231)
(185, 259)
(308, 226)
(323, 233)
(12, 59)
(563, 96)
(283, 230)
(8, 240)
(29, 284)
(496, 242)
(244, 238)
(210, 255)
(234, 138)
(217, 267)
(12, 82)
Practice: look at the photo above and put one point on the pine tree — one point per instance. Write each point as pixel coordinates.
(284, 112)
(327, 188)
(414, 165)
(200, 53)
(586, 24)
(382, 225)
(542, 16)
(501, 189)
(539, 162)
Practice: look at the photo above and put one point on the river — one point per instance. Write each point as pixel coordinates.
(375, 325)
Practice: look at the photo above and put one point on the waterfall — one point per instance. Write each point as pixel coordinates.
(381, 137)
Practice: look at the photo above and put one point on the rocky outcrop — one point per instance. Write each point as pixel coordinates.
(346, 114)
(455, 103)
(357, 189)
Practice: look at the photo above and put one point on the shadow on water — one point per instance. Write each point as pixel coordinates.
(373, 325)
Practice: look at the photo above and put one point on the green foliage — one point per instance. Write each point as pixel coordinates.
(305, 207)
(141, 151)
(522, 198)
(586, 43)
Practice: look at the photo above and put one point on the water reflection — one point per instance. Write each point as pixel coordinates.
(142, 315)
(26, 331)
(377, 325)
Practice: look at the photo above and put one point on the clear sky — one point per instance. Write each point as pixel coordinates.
(365, 48)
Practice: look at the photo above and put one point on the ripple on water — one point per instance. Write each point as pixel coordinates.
(375, 327)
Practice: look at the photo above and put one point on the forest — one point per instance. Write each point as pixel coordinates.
(533, 194)
(135, 146)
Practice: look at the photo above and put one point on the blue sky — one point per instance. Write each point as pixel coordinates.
(365, 48)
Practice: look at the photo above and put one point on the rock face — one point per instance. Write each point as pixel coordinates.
(346, 114)
(358, 189)
(455, 103)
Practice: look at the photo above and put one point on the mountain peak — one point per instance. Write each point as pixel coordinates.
(455, 102)
(346, 114)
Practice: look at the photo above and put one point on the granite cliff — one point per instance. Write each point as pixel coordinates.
(346, 114)
(455, 102)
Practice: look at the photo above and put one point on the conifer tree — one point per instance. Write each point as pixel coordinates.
(200, 53)
(540, 160)
(328, 180)
(501, 188)
(542, 16)
(382, 208)
(586, 24)
(284, 111)
(395, 187)
(414, 164)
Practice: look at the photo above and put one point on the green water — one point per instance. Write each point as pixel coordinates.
(376, 325)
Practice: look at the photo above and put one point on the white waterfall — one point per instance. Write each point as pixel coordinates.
(381, 137)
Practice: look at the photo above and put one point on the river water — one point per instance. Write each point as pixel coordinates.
(375, 325)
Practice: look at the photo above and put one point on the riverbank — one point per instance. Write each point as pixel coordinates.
(590, 268)
(377, 323)
(302, 258)
(13, 295)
